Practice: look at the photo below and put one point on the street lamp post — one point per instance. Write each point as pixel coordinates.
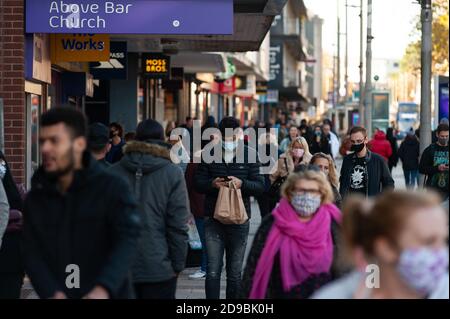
(425, 97)
(368, 88)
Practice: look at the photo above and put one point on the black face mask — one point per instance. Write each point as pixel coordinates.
(357, 147)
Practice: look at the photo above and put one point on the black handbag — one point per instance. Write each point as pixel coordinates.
(274, 190)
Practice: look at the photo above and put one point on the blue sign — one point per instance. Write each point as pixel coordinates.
(130, 16)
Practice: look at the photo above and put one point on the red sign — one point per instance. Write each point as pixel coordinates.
(225, 87)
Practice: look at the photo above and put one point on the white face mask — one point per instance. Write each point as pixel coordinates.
(305, 204)
(422, 268)
(229, 146)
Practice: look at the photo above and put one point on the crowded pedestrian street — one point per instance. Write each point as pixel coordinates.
(224, 156)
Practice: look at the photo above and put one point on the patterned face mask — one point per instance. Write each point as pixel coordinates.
(422, 268)
(305, 204)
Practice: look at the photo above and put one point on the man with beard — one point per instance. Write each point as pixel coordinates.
(81, 224)
(363, 171)
(115, 154)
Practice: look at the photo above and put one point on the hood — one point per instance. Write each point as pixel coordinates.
(150, 156)
(379, 136)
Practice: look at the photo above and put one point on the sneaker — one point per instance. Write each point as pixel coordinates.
(198, 275)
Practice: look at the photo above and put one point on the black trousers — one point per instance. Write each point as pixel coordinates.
(11, 267)
(158, 290)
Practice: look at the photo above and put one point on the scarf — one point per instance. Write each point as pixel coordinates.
(304, 248)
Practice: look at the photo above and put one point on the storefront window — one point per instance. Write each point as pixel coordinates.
(33, 112)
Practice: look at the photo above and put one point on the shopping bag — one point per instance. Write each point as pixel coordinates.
(194, 237)
(230, 207)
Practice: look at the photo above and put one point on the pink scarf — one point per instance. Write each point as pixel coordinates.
(304, 248)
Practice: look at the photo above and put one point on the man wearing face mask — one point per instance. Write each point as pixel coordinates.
(238, 164)
(362, 171)
(434, 162)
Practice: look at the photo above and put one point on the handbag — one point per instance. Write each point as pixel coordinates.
(274, 190)
(230, 209)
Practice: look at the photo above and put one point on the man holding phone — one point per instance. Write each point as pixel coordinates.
(434, 162)
(235, 166)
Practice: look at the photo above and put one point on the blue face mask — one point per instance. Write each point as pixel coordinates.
(229, 146)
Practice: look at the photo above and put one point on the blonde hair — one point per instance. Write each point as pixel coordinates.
(364, 221)
(327, 196)
(332, 174)
(302, 141)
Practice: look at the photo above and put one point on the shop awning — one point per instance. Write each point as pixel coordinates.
(200, 62)
(292, 94)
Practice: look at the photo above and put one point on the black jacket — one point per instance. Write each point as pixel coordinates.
(275, 289)
(249, 173)
(94, 225)
(409, 153)
(378, 176)
(160, 188)
(432, 157)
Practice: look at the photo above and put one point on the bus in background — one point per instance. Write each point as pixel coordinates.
(407, 118)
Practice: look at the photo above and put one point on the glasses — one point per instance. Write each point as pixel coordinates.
(302, 191)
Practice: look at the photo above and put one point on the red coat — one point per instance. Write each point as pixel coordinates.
(380, 145)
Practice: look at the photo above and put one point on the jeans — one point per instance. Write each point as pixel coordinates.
(220, 239)
(200, 224)
(411, 178)
(159, 290)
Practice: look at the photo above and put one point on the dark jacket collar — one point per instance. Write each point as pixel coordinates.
(368, 156)
(42, 181)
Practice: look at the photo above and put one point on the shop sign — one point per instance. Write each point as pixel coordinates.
(130, 16)
(38, 64)
(261, 87)
(79, 47)
(117, 66)
(224, 87)
(156, 65)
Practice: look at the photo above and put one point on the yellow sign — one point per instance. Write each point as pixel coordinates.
(156, 65)
(79, 47)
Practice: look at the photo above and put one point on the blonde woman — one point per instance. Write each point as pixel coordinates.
(326, 164)
(294, 248)
(297, 154)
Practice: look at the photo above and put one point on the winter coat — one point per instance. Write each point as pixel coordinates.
(378, 176)
(381, 146)
(248, 172)
(94, 225)
(275, 287)
(196, 200)
(160, 190)
(409, 153)
(4, 212)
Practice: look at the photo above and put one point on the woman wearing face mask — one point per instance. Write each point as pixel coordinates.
(292, 253)
(297, 154)
(402, 238)
(327, 166)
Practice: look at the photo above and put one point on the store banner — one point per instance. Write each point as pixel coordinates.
(76, 47)
(276, 64)
(261, 87)
(156, 65)
(38, 65)
(116, 68)
(130, 16)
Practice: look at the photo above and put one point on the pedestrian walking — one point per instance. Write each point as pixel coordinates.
(197, 205)
(381, 146)
(116, 135)
(393, 159)
(293, 134)
(296, 155)
(292, 253)
(434, 162)
(402, 237)
(81, 223)
(221, 238)
(160, 190)
(409, 153)
(4, 212)
(328, 167)
(98, 143)
(11, 262)
(363, 171)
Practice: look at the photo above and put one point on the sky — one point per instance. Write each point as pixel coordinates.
(391, 26)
